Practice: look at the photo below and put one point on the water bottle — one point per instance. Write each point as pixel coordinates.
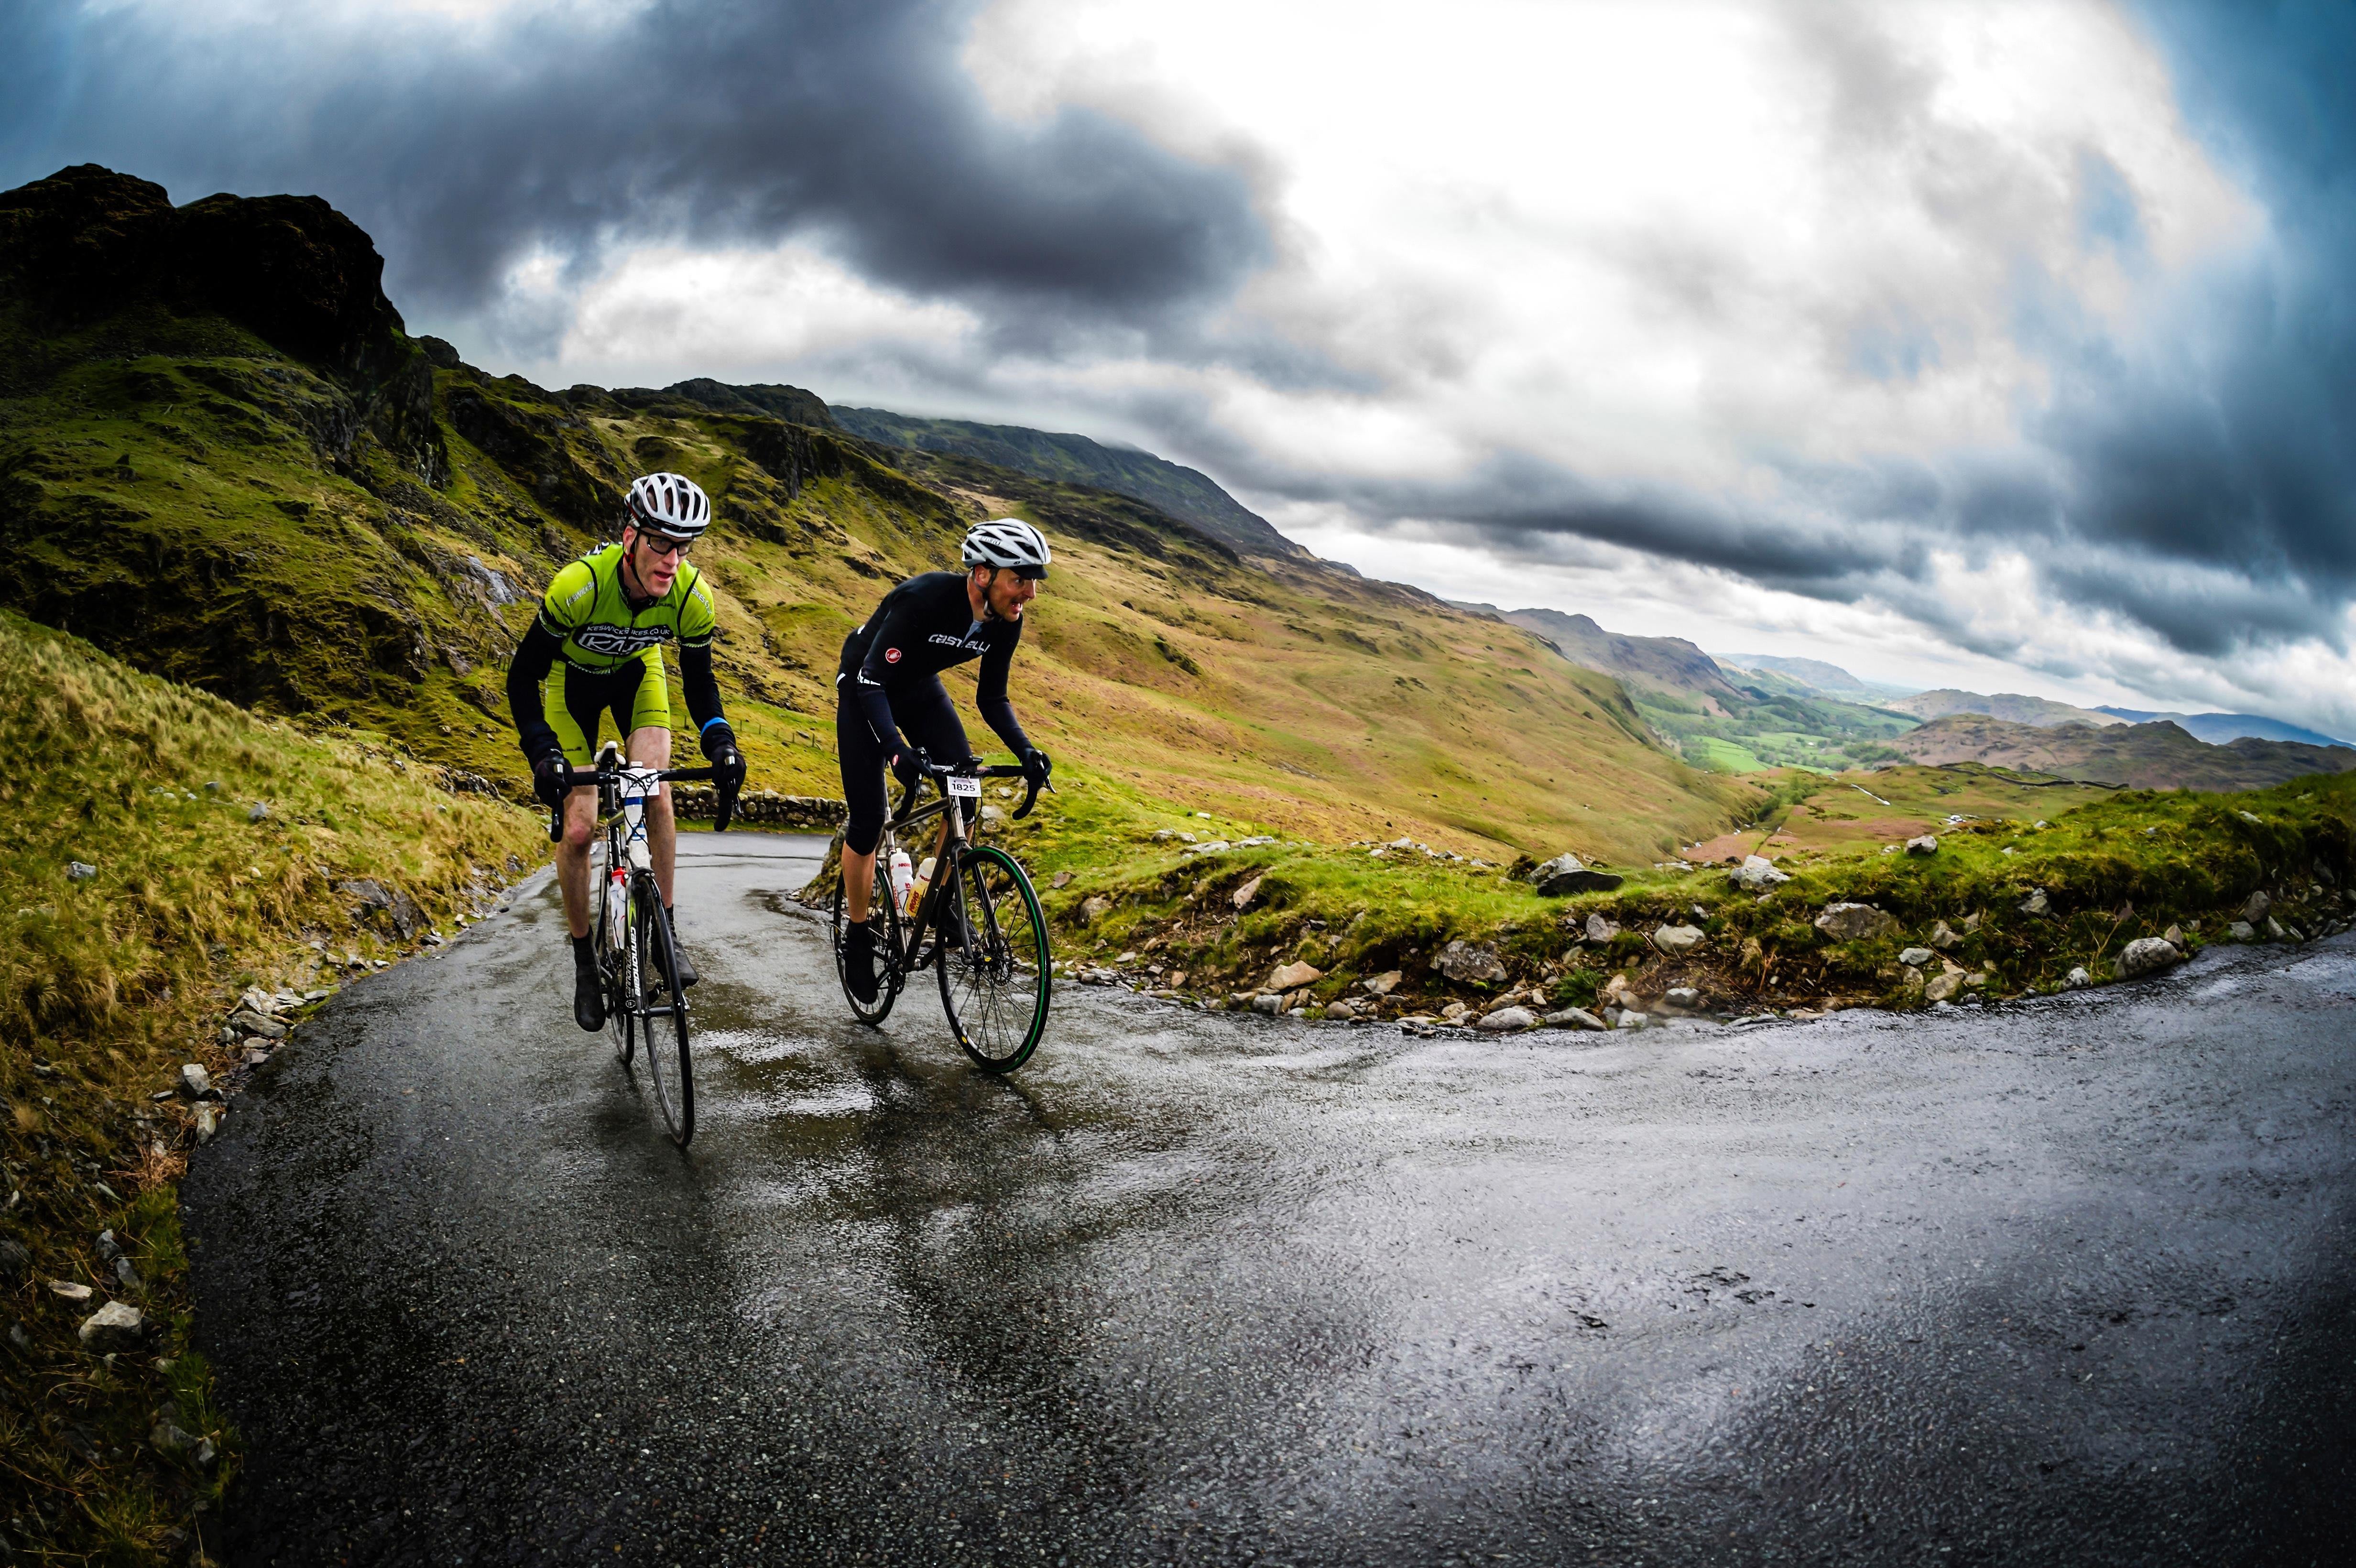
(901, 875)
(915, 894)
(617, 901)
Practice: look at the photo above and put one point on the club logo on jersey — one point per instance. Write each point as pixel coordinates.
(890, 656)
(612, 642)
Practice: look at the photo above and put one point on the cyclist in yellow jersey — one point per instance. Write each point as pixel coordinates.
(595, 648)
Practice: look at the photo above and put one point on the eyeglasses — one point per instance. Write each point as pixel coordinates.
(662, 546)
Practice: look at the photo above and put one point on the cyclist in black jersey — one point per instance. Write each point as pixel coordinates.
(890, 703)
(595, 647)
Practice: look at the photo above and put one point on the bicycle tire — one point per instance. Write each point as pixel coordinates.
(613, 966)
(887, 951)
(1002, 970)
(666, 1058)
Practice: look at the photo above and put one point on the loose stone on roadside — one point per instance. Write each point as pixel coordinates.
(1756, 874)
(1508, 1020)
(2147, 956)
(1855, 922)
(117, 1326)
(1470, 963)
(1675, 939)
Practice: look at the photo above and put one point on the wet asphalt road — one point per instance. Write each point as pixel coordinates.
(2066, 1283)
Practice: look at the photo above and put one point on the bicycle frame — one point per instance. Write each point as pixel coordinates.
(952, 836)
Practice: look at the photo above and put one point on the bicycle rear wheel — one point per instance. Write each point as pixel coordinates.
(885, 917)
(995, 971)
(667, 1060)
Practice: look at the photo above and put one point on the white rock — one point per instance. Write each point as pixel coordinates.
(1682, 998)
(2036, 902)
(1927, 845)
(1507, 1020)
(2078, 979)
(2147, 956)
(1574, 1017)
(1632, 1019)
(1917, 958)
(80, 870)
(1757, 873)
(117, 1326)
(1677, 939)
(1382, 985)
(195, 1082)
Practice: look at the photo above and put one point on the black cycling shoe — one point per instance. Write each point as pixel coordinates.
(588, 998)
(859, 962)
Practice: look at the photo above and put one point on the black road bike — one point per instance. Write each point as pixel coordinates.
(975, 921)
(637, 948)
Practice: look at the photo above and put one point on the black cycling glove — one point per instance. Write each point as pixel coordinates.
(1036, 767)
(727, 762)
(551, 780)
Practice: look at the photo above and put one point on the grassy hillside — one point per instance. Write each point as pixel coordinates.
(1187, 494)
(2143, 756)
(143, 892)
(359, 536)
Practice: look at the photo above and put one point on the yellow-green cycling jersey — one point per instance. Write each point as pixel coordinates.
(597, 631)
(592, 650)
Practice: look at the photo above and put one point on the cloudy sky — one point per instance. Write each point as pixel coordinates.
(2005, 346)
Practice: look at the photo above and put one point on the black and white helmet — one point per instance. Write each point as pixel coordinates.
(672, 504)
(1008, 542)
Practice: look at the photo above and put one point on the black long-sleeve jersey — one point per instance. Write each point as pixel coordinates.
(923, 627)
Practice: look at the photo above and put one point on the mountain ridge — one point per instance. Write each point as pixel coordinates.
(1185, 493)
(2137, 756)
(2218, 729)
(2012, 707)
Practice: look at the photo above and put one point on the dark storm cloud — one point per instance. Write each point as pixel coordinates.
(461, 149)
(2212, 480)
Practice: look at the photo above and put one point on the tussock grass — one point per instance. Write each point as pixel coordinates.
(109, 980)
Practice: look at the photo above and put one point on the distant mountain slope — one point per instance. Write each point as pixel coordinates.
(1828, 678)
(2140, 756)
(2009, 706)
(1663, 663)
(2218, 727)
(1075, 460)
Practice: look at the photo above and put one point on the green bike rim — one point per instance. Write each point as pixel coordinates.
(988, 861)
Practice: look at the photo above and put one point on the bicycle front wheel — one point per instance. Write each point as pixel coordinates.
(617, 966)
(665, 1019)
(995, 971)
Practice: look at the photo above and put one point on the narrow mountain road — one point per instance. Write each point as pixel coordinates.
(2061, 1283)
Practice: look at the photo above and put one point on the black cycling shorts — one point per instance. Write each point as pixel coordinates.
(926, 717)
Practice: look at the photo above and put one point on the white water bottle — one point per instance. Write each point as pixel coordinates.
(617, 901)
(903, 873)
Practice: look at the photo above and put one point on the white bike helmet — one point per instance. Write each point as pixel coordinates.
(672, 504)
(1008, 542)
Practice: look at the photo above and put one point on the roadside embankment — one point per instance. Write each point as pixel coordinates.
(1984, 907)
(184, 882)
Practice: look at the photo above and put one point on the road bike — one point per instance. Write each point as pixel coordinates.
(976, 919)
(636, 944)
